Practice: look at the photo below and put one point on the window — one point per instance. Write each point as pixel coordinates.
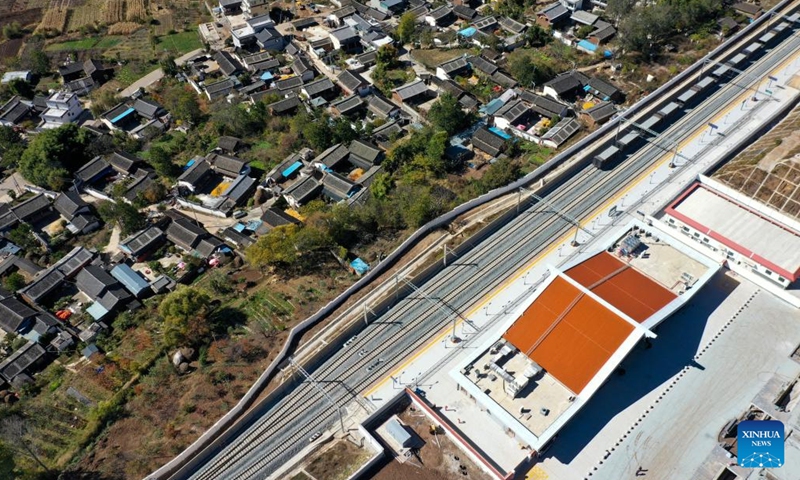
(767, 272)
(696, 235)
(705, 239)
(671, 220)
(685, 229)
(781, 279)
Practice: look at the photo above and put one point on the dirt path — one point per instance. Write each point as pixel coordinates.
(113, 242)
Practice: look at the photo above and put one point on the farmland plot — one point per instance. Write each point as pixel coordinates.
(136, 10)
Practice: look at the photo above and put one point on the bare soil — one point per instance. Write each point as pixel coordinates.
(438, 459)
(338, 462)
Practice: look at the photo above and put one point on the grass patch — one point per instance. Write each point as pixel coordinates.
(133, 71)
(180, 43)
(108, 42)
(82, 44)
(432, 58)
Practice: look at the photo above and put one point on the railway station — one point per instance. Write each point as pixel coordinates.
(562, 343)
(745, 234)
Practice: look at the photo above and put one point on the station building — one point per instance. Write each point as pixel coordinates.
(739, 231)
(562, 342)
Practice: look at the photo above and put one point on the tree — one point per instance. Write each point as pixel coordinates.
(126, 216)
(185, 312)
(182, 102)
(22, 236)
(12, 30)
(52, 154)
(16, 437)
(14, 281)
(381, 185)
(22, 88)
(499, 174)
(7, 464)
(387, 56)
(169, 67)
(290, 246)
(161, 161)
(523, 69)
(537, 36)
(406, 27)
(11, 146)
(319, 133)
(446, 114)
(102, 101)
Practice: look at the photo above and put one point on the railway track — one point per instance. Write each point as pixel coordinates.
(285, 425)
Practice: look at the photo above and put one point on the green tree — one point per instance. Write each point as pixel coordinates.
(381, 185)
(182, 102)
(537, 36)
(275, 249)
(523, 69)
(11, 147)
(169, 67)
(7, 464)
(387, 56)
(14, 281)
(52, 154)
(12, 30)
(186, 316)
(319, 133)
(446, 114)
(23, 237)
(499, 174)
(22, 88)
(129, 219)
(406, 27)
(161, 161)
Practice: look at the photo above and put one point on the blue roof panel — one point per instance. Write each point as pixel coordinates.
(130, 279)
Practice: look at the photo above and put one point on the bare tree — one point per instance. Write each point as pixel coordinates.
(15, 433)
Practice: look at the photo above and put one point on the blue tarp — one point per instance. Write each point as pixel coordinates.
(587, 45)
(253, 225)
(492, 107)
(239, 227)
(360, 266)
(292, 168)
(123, 115)
(266, 76)
(500, 133)
(468, 32)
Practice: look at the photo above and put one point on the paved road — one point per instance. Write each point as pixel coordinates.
(155, 75)
(282, 428)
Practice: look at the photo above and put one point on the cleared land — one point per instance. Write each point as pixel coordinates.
(769, 169)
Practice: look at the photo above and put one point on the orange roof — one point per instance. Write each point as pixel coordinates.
(568, 333)
(619, 284)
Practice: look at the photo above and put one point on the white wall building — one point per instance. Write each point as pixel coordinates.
(62, 108)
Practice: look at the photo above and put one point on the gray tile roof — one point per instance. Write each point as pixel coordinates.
(483, 65)
(31, 207)
(488, 141)
(220, 88)
(352, 81)
(196, 172)
(511, 25)
(455, 65)
(14, 110)
(227, 63)
(348, 105)
(123, 162)
(43, 285)
(285, 105)
(344, 34)
(142, 241)
(21, 360)
(484, 23)
(273, 217)
(185, 232)
(93, 281)
(319, 87)
(69, 204)
(289, 84)
(91, 170)
(542, 105)
(561, 132)
(73, 261)
(463, 11)
(366, 154)
(148, 108)
(380, 106)
(336, 187)
(601, 111)
(332, 155)
(303, 190)
(227, 165)
(411, 90)
(13, 314)
(554, 12)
